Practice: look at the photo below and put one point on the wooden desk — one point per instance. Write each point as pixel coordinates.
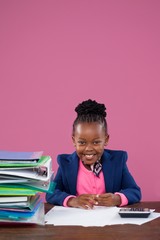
(147, 231)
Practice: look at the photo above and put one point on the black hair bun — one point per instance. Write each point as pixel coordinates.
(91, 107)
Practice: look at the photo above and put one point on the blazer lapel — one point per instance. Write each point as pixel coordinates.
(108, 171)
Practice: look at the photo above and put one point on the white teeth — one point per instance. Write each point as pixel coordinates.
(89, 156)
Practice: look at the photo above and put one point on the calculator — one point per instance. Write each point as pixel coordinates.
(134, 212)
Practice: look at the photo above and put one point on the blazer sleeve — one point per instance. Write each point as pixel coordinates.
(59, 194)
(128, 185)
(62, 188)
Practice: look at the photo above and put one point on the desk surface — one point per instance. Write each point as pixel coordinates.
(147, 231)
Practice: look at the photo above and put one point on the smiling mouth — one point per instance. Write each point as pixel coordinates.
(89, 156)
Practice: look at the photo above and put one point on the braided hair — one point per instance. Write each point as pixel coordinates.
(90, 111)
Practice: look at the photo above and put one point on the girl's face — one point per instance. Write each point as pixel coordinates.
(89, 140)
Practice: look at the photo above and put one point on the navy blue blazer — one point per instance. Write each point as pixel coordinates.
(116, 175)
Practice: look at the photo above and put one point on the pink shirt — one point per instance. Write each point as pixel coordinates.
(88, 183)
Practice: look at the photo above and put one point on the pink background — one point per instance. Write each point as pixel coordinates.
(55, 54)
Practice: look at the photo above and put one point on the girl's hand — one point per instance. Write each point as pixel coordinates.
(86, 201)
(108, 199)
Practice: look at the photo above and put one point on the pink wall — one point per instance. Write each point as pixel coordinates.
(54, 54)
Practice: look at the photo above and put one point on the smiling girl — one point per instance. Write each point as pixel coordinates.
(93, 175)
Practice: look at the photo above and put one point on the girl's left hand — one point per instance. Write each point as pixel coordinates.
(108, 199)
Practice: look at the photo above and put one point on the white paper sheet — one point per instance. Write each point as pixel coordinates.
(99, 216)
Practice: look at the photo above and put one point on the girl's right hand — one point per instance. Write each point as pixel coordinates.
(85, 201)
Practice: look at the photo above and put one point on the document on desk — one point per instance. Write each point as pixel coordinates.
(99, 216)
